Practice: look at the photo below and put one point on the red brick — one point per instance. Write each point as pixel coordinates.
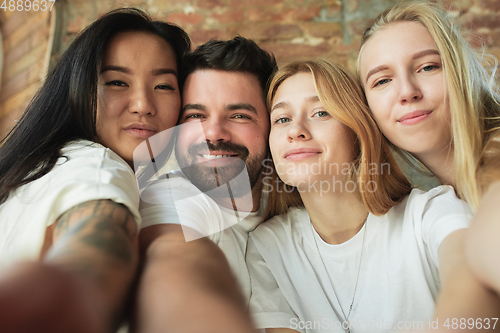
(209, 4)
(266, 31)
(296, 51)
(230, 16)
(479, 39)
(352, 48)
(359, 27)
(307, 14)
(491, 21)
(324, 3)
(287, 15)
(323, 29)
(182, 18)
(495, 38)
(493, 5)
(253, 3)
(201, 36)
(461, 6)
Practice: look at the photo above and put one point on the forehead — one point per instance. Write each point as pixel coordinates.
(216, 88)
(133, 45)
(302, 81)
(395, 42)
(295, 88)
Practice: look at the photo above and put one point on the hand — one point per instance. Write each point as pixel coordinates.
(36, 297)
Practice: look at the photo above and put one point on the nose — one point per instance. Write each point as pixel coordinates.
(215, 130)
(141, 102)
(298, 131)
(409, 90)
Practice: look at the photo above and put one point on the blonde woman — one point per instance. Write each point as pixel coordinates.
(354, 248)
(429, 93)
(432, 97)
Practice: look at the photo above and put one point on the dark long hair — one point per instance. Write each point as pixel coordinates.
(65, 107)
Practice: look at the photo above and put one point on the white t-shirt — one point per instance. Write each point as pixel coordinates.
(176, 200)
(88, 172)
(398, 279)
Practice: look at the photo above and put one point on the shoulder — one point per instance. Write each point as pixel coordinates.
(427, 207)
(92, 152)
(442, 198)
(282, 228)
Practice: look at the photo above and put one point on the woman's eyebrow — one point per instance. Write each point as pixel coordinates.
(376, 70)
(425, 53)
(115, 68)
(162, 71)
(278, 106)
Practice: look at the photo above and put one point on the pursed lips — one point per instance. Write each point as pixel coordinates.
(414, 117)
(301, 153)
(141, 130)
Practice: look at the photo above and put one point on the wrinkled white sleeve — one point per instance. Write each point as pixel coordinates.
(177, 201)
(443, 214)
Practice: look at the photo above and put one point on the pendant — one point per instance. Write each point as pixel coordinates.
(346, 326)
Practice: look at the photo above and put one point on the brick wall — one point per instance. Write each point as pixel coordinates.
(290, 29)
(25, 43)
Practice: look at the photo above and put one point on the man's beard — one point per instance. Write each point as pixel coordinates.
(208, 176)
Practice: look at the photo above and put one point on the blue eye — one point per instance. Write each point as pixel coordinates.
(321, 114)
(381, 82)
(282, 120)
(429, 68)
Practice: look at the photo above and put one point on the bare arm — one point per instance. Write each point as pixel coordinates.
(186, 286)
(462, 295)
(83, 282)
(482, 243)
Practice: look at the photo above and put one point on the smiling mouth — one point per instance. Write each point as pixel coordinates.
(414, 117)
(214, 157)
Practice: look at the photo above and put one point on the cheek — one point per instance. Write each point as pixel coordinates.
(274, 143)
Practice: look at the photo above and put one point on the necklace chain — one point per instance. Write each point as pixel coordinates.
(346, 324)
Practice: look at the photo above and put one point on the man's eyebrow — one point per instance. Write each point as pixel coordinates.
(241, 106)
(194, 106)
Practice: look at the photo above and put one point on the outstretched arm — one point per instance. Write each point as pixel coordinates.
(84, 279)
(186, 286)
(462, 295)
(482, 243)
